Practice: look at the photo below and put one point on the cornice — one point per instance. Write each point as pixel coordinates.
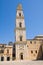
(20, 17)
(21, 42)
(19, 28)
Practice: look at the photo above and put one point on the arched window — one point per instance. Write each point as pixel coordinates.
(21, 56)
(20, 38)
(20, 24)
(19, 14)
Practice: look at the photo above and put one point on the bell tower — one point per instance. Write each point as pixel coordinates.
(20, 31)
(20, 34)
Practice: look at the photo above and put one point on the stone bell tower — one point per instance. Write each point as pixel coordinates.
(20, 25)
(20, 34)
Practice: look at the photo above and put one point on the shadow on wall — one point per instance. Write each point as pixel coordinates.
(40, 53)
(14, 53)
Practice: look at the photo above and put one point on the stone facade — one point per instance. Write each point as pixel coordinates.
(34, 49)
(25, 49)
(5, 52)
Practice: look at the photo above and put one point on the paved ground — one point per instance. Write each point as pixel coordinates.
(21, 63)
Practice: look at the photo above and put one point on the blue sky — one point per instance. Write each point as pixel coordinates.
(33, 14)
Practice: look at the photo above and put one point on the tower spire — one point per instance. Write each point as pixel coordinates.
(19, 7)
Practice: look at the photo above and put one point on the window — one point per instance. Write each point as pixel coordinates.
(8, 58)
(2, 58)
(20, 24)
(2, 46)
(31, 42)
(27, 46)
(7, 50)
(1, 51)
(36, 51)
(31, 51)
(20, 38)
(19, 14)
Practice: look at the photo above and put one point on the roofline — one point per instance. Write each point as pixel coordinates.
(34, 39)
(2, 44)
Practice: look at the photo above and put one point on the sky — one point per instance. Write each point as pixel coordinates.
(33, 14)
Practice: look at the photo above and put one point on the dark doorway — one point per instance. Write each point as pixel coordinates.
(2, 58)
(21, 56)
(8, 58)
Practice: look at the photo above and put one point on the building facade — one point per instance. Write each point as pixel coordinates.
(25, 49)
(22, 49)
(5, 52)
